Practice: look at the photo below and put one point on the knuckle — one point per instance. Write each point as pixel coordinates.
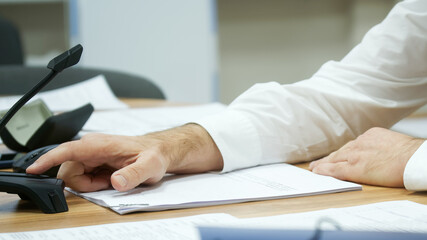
(353, 159)
(332, 156)
(135, 173)
(155, 160)
(91, 136)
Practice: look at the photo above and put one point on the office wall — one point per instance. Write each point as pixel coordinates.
(287, 41)
(170, 42)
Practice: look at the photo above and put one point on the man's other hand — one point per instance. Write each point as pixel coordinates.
(377, 157)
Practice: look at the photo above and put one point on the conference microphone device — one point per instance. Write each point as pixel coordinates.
(46, 192)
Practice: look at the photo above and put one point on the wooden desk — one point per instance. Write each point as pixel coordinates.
(16, 215)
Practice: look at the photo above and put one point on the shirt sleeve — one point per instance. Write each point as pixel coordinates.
(415, 175)
(382, 80)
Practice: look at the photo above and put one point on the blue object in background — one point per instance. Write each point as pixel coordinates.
(222, 233)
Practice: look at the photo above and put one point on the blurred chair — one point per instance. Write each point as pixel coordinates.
(10, 44)
(16, 80)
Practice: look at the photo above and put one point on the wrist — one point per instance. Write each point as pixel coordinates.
(188, 149)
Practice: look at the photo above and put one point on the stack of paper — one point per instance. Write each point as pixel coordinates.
(183, 191)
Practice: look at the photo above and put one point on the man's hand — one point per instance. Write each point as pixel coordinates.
(377, 157)
(97, 161)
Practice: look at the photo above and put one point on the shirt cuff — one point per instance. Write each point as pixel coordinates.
(235, 137)
(415, 174)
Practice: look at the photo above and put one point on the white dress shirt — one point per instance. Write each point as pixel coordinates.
(382, 80)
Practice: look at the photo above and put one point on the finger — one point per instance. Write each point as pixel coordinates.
(76, 177)
(62, 153)
(144, 170)
(89, 183)
(316, 163)
(338, 170)
(313, 164)
(328, 159)
(341, 155)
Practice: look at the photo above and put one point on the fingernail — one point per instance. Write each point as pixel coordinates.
(121, 180)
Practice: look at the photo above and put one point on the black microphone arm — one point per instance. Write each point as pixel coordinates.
(46, 192)
(59, 63)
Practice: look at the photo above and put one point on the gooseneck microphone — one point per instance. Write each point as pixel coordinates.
(59, 63)
(46, 192)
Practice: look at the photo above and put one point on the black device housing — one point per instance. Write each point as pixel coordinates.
(46, 192)
(56, 129)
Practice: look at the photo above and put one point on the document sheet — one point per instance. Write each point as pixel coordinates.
(168, 229)
(95, 91)
(143, 120)
(401, 216)
(404, 216)
(252, 184)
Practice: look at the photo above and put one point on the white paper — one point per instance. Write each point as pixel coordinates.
(95, 91)
(402, 216)
(167, 229)
(144, 120)
(183, 191)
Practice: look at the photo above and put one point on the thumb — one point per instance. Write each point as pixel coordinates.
(129, 177)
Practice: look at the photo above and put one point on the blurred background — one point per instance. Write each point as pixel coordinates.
(197, 50)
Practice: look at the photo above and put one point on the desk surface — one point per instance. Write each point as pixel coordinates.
(17, 215)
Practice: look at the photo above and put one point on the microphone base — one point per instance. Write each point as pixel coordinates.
(46, 192)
